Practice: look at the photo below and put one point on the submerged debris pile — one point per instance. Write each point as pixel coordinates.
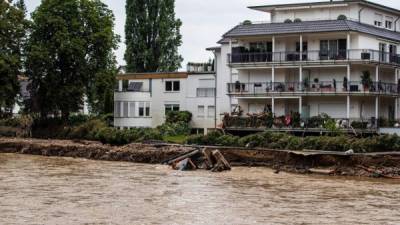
(200, 159)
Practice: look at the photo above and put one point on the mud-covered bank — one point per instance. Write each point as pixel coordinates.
(330, 163)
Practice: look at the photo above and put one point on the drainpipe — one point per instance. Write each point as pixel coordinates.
(359, 14)
(215, 89)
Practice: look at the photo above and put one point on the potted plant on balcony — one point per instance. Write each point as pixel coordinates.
(366, 80)
(316, 84)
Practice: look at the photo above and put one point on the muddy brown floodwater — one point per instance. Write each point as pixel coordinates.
(40, 190)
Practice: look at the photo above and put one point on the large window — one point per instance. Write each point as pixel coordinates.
(211, 111)
(127, 109)
(171, 108)
(261, 47)
(333, 49)
(205, 92)
(206, 88)
(200, 111)
(172, 86)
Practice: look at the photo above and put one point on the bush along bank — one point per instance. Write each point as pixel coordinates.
(99, 128)
(283, 141)
(177, 125)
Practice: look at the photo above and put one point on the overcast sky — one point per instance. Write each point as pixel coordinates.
(204, 21)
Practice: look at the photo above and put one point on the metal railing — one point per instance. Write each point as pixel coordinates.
(314, 55)
(333, 87)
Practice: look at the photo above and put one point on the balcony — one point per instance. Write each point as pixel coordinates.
(320, 88)
(362, 55)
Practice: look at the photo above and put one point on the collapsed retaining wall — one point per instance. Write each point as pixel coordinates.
(334, 163)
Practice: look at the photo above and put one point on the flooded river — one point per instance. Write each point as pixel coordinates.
(40, 190)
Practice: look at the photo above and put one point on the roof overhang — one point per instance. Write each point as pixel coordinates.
(299, 6)
(324, 4)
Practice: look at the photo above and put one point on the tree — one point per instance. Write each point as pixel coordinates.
(152, 36)
(69, 51)
(13, 29)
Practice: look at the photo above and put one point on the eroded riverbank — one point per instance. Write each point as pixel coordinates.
(330, 163)
(58, 190)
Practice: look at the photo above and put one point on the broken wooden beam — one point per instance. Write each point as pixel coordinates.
(182, 157)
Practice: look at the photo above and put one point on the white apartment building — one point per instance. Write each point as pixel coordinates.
(339, 58)
(143, 99)
(310, 59)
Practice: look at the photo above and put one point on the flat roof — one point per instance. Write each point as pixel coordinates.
(159, 75)
(268, 8)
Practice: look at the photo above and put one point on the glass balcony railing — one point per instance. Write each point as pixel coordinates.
(310, 56)
(328, 87)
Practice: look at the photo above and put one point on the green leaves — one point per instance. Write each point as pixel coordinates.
(70, 55)
(152, 36)
(13, 27)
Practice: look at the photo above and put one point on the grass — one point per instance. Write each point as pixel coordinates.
(180, 139)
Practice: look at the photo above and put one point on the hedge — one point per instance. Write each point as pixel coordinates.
(283, 141)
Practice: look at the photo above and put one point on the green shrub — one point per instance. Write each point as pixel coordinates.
(228, 140)
(181, 116)
(87, 130)
(209, 139)
(174, 129)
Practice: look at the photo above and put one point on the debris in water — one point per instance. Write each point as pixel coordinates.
(200, 159)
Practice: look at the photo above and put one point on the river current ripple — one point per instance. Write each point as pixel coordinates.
(41, 190)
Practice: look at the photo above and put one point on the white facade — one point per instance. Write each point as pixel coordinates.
(146, 104)
(274, 72)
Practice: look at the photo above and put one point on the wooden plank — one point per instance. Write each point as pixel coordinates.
(182, 157)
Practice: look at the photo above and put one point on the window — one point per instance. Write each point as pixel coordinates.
(172, 108)
(132, 109)
(125, 109)
(206, 88)
(378, 20)
(305, 46)
(117, 109)
(261, 47)
(171, 86)
(141, 109)
(389, 22)
(205, 92)
(333, 49)
(200, 111)
(389, 25)
(211, 111)
(147, 109)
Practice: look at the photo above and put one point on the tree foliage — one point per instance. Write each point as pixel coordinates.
(70, 55)
(152, 36)
(13, 27)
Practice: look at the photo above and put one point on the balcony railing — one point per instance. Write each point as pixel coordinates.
(328, 87)
(314, 56)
